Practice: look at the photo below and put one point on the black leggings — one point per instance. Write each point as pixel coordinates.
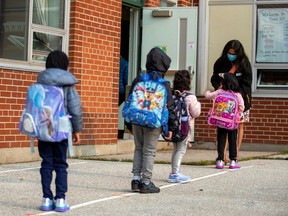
(232, 140)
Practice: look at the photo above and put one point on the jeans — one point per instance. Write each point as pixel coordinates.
(146, 140)
(54, 157)
(179, 149)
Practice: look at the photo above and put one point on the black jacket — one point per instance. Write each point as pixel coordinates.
(243, 75)
(158, 61)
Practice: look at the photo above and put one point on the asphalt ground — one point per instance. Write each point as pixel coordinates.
(259, 187)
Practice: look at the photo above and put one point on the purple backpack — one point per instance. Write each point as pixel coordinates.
(224, 113)
(44, 116)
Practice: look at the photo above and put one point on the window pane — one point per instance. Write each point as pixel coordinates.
(49, 13)
(272, 34)
(43, 44)
(272, 78)
(14, 29)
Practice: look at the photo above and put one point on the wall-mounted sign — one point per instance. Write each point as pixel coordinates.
(272, 39)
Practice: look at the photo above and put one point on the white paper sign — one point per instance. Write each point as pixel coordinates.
(272, 40)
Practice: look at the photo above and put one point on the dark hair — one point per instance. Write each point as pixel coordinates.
(57, 59)
(239, 50)
(182, 80)
(230, 83)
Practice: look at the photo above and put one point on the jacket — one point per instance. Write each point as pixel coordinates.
(72, 102)
(243, 75)
(158, 61)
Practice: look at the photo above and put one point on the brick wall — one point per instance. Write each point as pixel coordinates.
(13, 87)
(94, 54)
(268, 122)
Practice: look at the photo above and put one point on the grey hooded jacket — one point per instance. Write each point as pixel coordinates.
(72, 102)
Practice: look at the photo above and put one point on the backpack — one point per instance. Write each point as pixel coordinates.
(182, 117)
(224, 113)
(44, 116)
(146, 105)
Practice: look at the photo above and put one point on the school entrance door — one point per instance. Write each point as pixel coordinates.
(174, 30)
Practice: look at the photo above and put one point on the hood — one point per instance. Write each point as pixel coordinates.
(157, 60)
(56, 77)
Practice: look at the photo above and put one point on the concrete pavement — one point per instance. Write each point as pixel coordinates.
(103, 188)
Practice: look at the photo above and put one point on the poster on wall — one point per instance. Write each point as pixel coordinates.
(272, 40)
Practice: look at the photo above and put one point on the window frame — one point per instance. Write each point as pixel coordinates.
(268, 90)
(34, 65)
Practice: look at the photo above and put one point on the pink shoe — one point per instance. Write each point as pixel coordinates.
(219, 164)
(234, 165)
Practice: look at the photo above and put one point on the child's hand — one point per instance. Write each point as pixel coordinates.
(76, 137)
(169, 137)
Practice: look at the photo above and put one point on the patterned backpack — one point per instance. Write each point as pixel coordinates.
(44, 116)
(146, 105)
(224, 113)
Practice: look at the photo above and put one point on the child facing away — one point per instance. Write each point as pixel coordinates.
(145, 138)
(181, 87)
(229, 84)
(53, 154)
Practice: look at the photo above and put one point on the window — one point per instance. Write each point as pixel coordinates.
(168, 3)
(271, 57)
(30, 29)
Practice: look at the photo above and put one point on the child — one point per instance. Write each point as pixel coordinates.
(53, 154)
(229, 84)
(145, 138)
(181, 84)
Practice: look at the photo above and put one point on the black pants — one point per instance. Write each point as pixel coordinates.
(54, 157)
(232, 140)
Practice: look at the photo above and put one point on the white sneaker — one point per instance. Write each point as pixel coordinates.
(219, 164)
(62, 205)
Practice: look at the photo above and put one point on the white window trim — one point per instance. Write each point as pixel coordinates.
(36, 66)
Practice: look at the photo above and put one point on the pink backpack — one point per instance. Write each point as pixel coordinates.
(224, 113)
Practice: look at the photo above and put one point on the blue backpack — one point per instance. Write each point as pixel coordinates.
(146, 105)
(44, 116)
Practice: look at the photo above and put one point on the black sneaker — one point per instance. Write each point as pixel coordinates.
(135, 185)
(150, 188)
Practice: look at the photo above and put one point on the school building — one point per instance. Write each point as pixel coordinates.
(95, 33)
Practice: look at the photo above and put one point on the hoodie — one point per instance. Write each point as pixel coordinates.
(159, 61)
(72, 102)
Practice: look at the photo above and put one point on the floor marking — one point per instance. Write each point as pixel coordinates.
(32, 168)
(132, 194)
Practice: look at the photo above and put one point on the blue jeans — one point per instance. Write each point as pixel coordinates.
(54, 157)
(146, 140)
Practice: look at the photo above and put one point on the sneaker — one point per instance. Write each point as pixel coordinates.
(178, 178)
(47, 204)
(219, 164)
(150, 188)
(135, 185)
(62, 205)
(234, 165)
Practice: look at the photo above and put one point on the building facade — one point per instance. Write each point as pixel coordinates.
(95, 33)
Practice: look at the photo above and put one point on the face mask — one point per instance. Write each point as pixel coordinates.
(231, 57)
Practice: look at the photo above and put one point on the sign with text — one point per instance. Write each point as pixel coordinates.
(272, 40)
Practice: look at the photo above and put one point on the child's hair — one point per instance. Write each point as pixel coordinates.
(182, 80)
(57, 59)
(230, 83)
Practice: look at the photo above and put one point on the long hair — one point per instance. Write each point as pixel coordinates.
(57, 59)
(230, 83)
(182, 80)
(239, 50)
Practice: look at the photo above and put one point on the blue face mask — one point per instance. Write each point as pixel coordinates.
(231, 57)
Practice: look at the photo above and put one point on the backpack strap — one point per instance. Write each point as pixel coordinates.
(70, 145)
(32, 145)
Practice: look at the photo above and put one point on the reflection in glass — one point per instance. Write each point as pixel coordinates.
(49, 13)
(43, 44)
